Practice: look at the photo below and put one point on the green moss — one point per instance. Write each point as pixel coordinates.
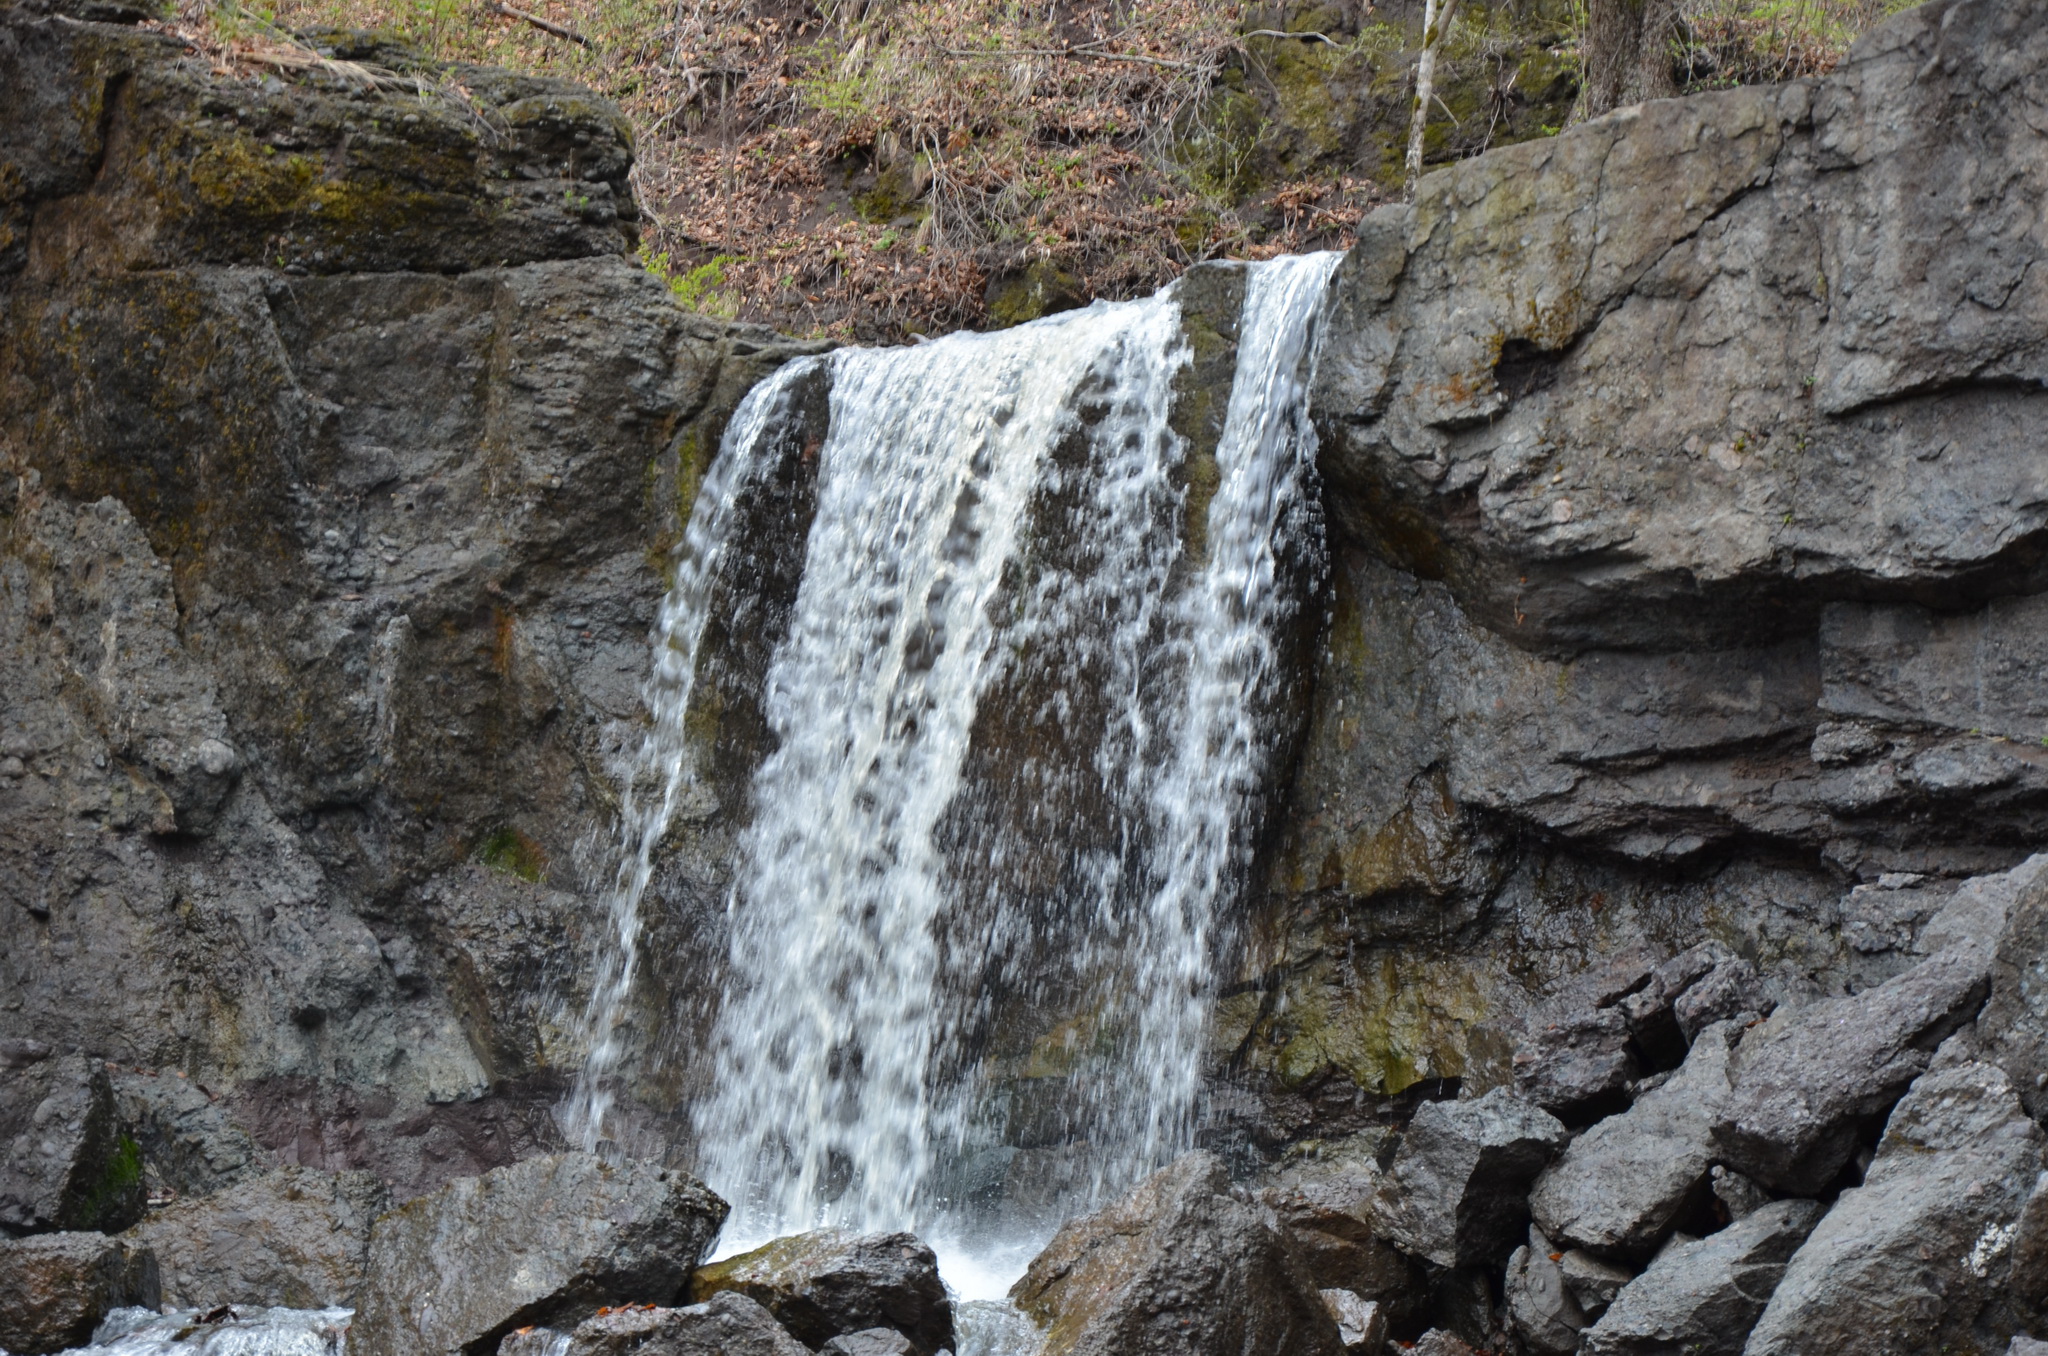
(513, 852)
(1042, 289)
(101, 1203)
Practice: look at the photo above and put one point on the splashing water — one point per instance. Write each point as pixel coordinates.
(1020, 729)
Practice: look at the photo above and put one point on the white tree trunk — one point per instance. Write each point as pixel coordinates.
(1435, 23)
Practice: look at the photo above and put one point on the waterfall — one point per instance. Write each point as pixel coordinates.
(1018, 737)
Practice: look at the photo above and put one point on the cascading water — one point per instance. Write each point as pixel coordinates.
(1017, 740)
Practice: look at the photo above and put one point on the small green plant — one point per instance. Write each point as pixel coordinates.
(513, 852)
(696, 288)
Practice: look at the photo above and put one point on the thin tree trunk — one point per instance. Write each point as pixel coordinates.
(1626, 54)
(1435, 23)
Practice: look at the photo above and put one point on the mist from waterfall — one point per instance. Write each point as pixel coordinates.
(1030, 630)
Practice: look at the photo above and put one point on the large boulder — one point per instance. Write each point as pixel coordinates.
(55, 1288)
(67, 1164)
(1579, 1063)
(728, 1324)
(1703, 1296)
(1810, 1083)
(1922, 1256)
(546, 1241)
(822, 1284)
(1457, 1191)
(1323, 1194)
(1179, 1265)
(2014, 1025)
(1621, 1187)
(295, 1237)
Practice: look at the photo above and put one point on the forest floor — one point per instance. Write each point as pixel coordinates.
(874, 169)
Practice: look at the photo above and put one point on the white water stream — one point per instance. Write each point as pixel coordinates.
(1002, 539)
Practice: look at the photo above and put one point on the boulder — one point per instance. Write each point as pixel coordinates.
(1729, 989)
(1809, 1083)
(1540, 1304)
(1180, 1264)
(728, 1324)
(1921, 1256)
(191, 1146)
(1737, 1194)
(295, 1237)
(58, 1287)
(2014, 1025)
(1361, 1323)
(1593, 1281)
(546, 1241)
(1650, 1010)
(1622, 1185)
(66, 1162)
(1578, 1064)
(820, 1285)
(868, 1342)
(1437, 1342)
(1703, 1296)
(1323, 1194)
(1457, 1191)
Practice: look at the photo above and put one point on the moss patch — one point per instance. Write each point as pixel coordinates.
(515, 853)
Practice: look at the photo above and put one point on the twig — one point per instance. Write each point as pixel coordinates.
(1081, 52)
(545, 26)
(1305, 37)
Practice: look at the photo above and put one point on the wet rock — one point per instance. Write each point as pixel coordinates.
(67, 1162)
(824, 1284)
(1541, 1306)
(191, 1145)
(546, 1241)
(1921, 1256)
(1577, 1063)
(1807, 1083)
(1361, 1323)
(728, 1324)
(2026, 1346)
(1181, 1264)
(1592, 1281)
(295, 1237)
(2014, 1024)
(58, 1287)
(1620, 1187)
(534, 1342)
(1323, 1194)
(1457, 1191)
(869, 1342)
(1437, 1342)
(1704, 1295)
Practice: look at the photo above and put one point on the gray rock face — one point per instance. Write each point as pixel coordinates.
(1324, 1198)
(1577, 1062)
(546, 1241)
(1922, 1255)
(2014, 1025)
(295, 1237)
(1178, 1265)
(1807, 1082)
(1730, 988)
(1592, 1281)
(1541, 1306)
(820, 1285)
(59, 1286)
(190, 1143)
(1620, 1187)
(1458, 1189)
(1704, 1296)
(66, 1163)
(729, 1324)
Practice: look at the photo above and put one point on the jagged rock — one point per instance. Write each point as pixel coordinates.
(869, 1342)
(546, 1241)
(1540, 1303)
(67, 1163)
(1180, 1264)
(1620, 1187)
(1577, 1062)
(2014, 1024)
(58, 1287)
(1592, 1281)
(1730, 988)
(1437, 1342)
(1457, 1190)
(296, 1238)
(728, 1324)
(1324, 1197)
(191, 1146)
(2026, 1346)
(1649, 1010)
(1361, 1323)
(820, 1285)
(1703, 1296)
(1738, 1195)
(1921, 1255)
(1807, 1083)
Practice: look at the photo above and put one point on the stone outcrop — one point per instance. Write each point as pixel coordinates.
(59, 1286)
(1179, 1265)
(295, 1237)
(825, 1284)
(544, 1242)
(1704, 1295)
(67, 1163)
(1457, 1192)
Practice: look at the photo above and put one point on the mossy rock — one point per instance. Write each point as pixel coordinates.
(1031, 293)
